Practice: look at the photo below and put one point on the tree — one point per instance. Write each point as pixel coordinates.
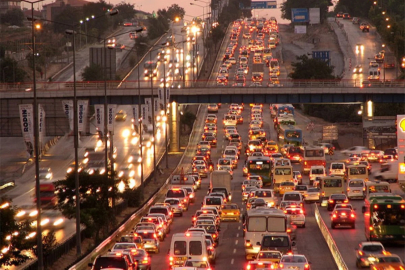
(13, 235)
(99, 10)
(96, 193)
(357, 8)
(217, 35)
(159, 25)
(311, 68)
(127, 13)
(287, 5)
(141, 45)
(175, 11)
(187, 119)
(13, 17)
(93, 72)
(11, 71)
(69, 16)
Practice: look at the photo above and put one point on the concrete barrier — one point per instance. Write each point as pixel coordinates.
(329, 241)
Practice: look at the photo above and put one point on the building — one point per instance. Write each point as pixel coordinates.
(6, 5)
(50, 11)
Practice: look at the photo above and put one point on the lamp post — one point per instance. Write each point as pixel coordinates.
(140, 127)
(165, 109)
(36, 142)
(85, 21)
(153, 121)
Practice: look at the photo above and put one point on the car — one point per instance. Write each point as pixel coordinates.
(366, 251)
(343, 216)
(142, 259)
(301, 189)
(296, 215)
(375, 155)
(296, 261)
(202, 170)
(115, 261)
(312, 195)
(286, 186)
(127, 171)
(336, 198)
(45, 174)
(298, 176)
(230, 212)
(259, 265)
(343, 206)
(355, 150)
(120, 116)
(135, 157)
(364, 27)
(273, 256)
(346, 16)
(213, 108)
(388, 261)
(176, 206)
(339, 15)
(358, 69)
(355, 20)
(198, 264)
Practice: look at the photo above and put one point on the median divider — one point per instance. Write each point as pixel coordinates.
(329, 241)
(131, 221)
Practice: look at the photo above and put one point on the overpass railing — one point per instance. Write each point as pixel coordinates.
(287, 83)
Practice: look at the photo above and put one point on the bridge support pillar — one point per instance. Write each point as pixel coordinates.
(174, 128)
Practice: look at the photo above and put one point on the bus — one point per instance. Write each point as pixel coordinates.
(285, 109)
(258, 222)
(290, 135)
(377, 187)
(283, 120)
(312, 156)
(329, 185)
(150, 69)
(260, 166)
(384, 218)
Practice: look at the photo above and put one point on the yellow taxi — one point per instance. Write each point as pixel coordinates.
(230, 212)
(286, 187)
(270, 256)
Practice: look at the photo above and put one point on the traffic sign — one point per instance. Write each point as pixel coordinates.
(330, 133)
(260, 5)
(299, 14)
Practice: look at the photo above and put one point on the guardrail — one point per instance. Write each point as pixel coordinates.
(231, 83)
(329, 241)
(102, 247)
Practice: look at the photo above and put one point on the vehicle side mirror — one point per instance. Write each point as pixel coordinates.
(363, 209)
(109, 250)
(258, 243)
(293, 243)
(90, 264)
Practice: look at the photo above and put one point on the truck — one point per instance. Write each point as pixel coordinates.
(182, 181)
(220, 181)
(388, 172)
(257, 72)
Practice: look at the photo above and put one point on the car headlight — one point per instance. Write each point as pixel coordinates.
(44, 222)
(102, 171)
(58, 222)
(139, 159)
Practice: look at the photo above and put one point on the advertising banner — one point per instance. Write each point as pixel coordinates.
(99, 112)
(144, 111)
(135, 111)
(401, 147)
(167, 95)
(111, 116)
(156, 106)
(148, 103)
(82, 107)
(68, 108)
(41, 124)
(27, 126)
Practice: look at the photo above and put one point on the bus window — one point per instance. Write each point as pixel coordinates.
(356, 183)
(358, 171)
(394, 215)
(378, 189)
(282, 171)
(314, 153)
(332, 182)
(257, 224)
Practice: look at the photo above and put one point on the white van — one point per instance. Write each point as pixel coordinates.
(388, 172)
(337, 168)
(187, 246)
(356, 188)
(213, 201)
(314, 172)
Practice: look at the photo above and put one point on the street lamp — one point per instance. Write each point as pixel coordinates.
(36, 142)
(85, 24)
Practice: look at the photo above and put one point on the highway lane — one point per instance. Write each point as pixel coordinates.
(230, 251)
(182, 51)
(82, 56)
(372, 44)
(61, 156)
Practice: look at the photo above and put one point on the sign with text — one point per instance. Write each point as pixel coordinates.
(314, 16)
(299, 15)
(260, 5)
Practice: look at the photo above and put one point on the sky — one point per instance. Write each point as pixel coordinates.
(191, 10)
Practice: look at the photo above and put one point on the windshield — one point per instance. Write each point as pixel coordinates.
(388, 215)
(269, 255)
(294, 259)
(358, 170)
(291, 197)
(379, 189)
(373, 248)
(158, 211)
(332, 182)
(337, 166)
(172, 202)
(282, 171)
(314, 153)
(110, 262)
(213, 201)
(263, 194)
(293, 134)
(256, 224)
(275, 241)
(175, 193)
(356, 183)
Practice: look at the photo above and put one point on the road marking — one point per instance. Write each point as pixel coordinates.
(238, 227)
(232, 261)
(234, 250)
(237, 235)
(236, 242)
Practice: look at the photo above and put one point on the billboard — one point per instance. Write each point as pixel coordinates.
(300, 29)
(27, 126)
(314, 16)
(299, 15)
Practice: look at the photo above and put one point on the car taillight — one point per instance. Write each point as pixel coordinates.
(333, 216)
(331, 201)
(184, 200)
(352, 216)
(306, 266)
(346, 201)
(289, 252)
(145, 260)
(215, 236)
(361, 253)
(281, 266)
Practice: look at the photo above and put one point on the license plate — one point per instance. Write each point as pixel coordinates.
(356, 191)
(294, 217)
(343, 220)
(231, 214)
(339, 201)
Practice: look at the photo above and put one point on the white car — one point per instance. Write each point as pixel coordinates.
(45, 174)
(312, 195)
(296, 261)
(296, 215)
(358, 150)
